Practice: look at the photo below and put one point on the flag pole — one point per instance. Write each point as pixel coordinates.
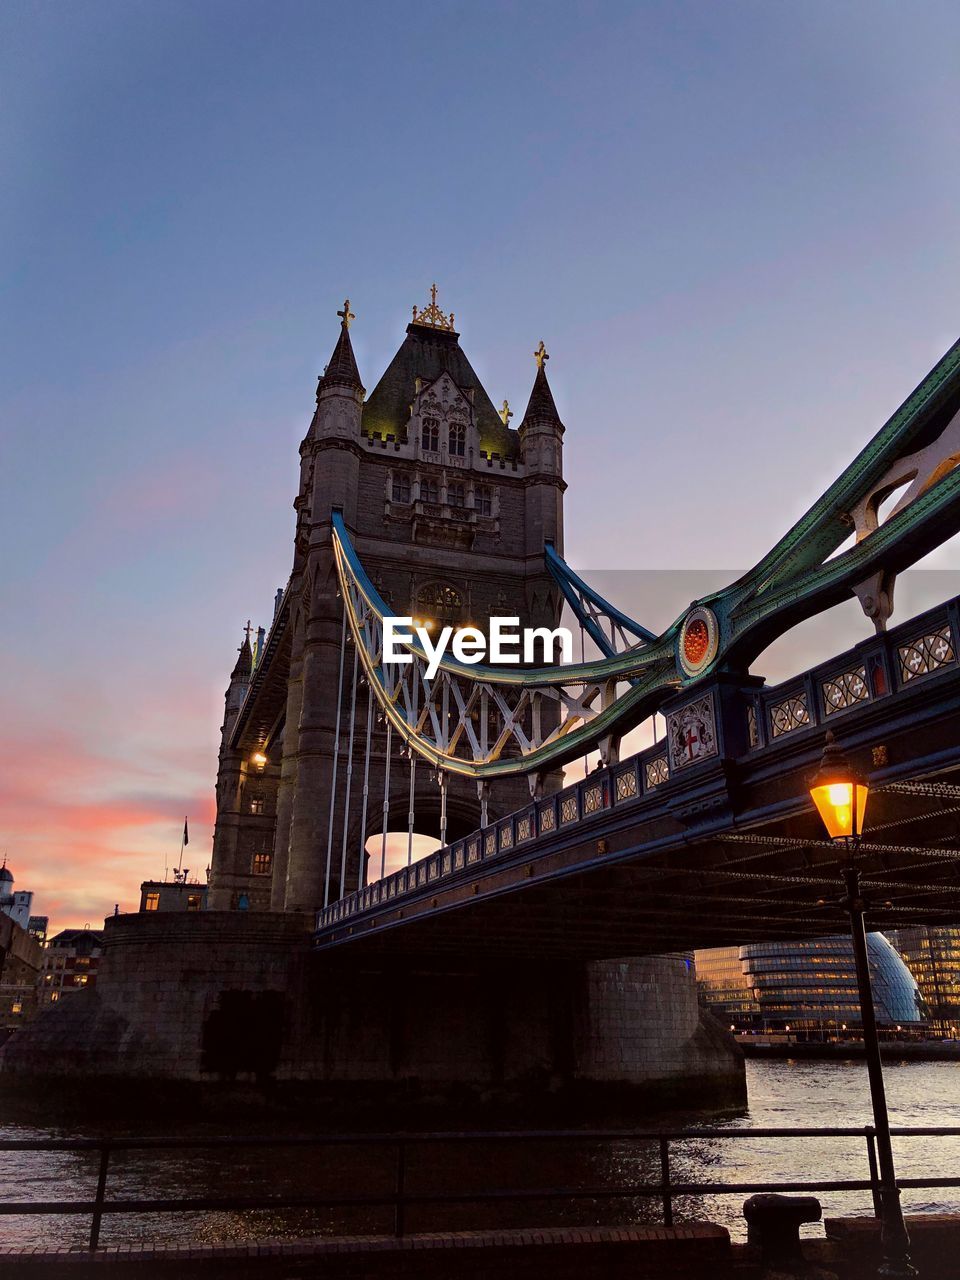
(183, 840)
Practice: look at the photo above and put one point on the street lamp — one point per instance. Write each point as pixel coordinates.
(840, 794)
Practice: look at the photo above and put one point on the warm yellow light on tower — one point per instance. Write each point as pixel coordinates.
(839, 793)
(259, 759)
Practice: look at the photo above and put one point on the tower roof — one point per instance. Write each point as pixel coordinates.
(6, 875)
(426, 352)
(244, 663)
(541, 406)
(342, 366)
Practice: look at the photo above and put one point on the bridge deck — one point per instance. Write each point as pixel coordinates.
(652, 855)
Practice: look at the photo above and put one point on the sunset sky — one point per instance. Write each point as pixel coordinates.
(734, 225)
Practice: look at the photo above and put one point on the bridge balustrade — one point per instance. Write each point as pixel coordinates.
(883, 665)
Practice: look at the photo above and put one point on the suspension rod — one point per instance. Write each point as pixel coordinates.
(346, 799)
(410, 813)
(386, 805)
(336, 756)
(366, 789)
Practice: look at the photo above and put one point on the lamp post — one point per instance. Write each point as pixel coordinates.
(840, 795)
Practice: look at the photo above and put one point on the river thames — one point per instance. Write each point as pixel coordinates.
(781, 1094)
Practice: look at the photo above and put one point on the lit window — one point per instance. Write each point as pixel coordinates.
(458, 437)
(262, 864)
(17, 1006)
(400, 489)
(194, 901)
(441, 601)
(431, 435)
(483, 501)
(429, 491)
(455, 495)
(152, 902)
(256, 806)
(54, 997)
(80, 980)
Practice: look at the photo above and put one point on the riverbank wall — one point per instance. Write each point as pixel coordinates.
(850, 1050)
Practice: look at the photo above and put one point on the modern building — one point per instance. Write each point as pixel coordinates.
(807, 986)
(933, 957)
(71, 961)
(14, 903)
(160, 895)
(723, 986)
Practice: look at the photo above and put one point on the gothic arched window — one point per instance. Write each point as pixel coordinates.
(440, 602)
(400, 488)
(455, 495)
(431, 435)
(458, 439)
(429, 491)
(483, 501)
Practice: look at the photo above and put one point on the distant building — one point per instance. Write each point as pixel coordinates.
(933, 957)
(158, 895)
(71, 961)
(21, 958)
(15, 904)
(723, 985)
(807, 986)
(37, 928)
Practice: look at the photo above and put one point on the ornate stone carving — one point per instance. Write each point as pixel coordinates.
(692, 733)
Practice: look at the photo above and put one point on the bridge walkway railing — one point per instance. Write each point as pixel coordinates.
(400, 1198)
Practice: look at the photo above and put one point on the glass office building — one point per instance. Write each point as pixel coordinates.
(933, 957)
(808, 985)
(723, 986)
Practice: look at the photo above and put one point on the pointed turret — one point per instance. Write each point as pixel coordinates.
(240, 678)
(244, 664)
(342, 368)
(541, 438)
(541, 407)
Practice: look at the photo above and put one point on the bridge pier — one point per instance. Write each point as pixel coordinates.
(222, 996)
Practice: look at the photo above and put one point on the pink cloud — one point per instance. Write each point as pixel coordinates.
(82, 827)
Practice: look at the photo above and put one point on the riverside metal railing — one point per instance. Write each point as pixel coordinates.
(400, 1198)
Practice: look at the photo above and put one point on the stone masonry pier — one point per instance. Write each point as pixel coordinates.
(234, 995)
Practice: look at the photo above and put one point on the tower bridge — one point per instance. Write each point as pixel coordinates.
(547, 940)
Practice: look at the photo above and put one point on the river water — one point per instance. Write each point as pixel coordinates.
(781, 1094)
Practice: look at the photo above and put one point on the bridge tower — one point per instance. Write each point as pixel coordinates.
(450, 508)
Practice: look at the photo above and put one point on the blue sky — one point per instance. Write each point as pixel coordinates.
(734, 225)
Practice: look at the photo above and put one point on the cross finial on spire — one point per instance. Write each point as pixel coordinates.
(506, 413)
(346, 315)
(540, 355)
(248, 628)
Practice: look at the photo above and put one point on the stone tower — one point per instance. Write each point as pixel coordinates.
(449, 508)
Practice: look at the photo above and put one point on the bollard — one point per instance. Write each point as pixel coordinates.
(773, 1223)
